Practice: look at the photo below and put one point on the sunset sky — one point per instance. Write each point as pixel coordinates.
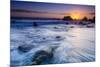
(50, 10)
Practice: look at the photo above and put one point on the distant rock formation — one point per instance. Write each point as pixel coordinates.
(85, 19)
(67, 18)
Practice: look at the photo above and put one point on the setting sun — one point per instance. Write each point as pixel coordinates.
(75, 16)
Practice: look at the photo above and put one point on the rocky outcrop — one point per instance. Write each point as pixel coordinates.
(25, 48)
(42, 56)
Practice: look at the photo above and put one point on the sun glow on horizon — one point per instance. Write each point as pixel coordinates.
(78, 14)
(75, 16)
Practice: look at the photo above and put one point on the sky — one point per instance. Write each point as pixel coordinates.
(50, 10)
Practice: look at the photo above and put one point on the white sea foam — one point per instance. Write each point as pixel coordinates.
(72, 44)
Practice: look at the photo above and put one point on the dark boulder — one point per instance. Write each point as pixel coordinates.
(35, 24)
(71, 26)
(42, 56)
(25, 48)
(55, 28)
(44, 38)
(66, 23)
(67, 18)
(58, 37)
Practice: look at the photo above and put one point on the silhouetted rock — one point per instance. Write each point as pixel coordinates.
(93, 20)
(35, 24)
(25, 48)
(85, 19)
(67, 18)
(67, 23)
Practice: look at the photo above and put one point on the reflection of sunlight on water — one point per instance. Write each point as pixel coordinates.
(81, 37)
(77, 40)
(76, 47)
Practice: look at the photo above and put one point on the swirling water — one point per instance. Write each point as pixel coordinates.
(57, 44)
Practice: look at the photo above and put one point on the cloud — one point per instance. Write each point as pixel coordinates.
(40, 12)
